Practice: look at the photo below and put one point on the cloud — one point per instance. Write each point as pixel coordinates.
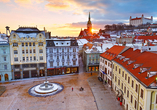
(23, 1)
(4, 1)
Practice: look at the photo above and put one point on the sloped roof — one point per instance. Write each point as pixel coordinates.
(89, 45)
(112, 52)
(146, 59)
(146, 37)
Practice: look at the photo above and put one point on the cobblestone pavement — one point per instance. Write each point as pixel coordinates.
(16, 95)
(104, 97)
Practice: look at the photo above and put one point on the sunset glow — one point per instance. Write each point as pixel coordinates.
(66, 18)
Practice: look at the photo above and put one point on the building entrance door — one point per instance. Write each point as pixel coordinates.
(6, 77)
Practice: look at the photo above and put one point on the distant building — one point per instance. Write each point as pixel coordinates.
(88, 31)
(62, 56)
(91, 57)
(5, 65)
(81, 42)
(141, 20)
(28, 52)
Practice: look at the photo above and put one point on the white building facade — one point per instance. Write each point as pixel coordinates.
(62, 56)
(141, 20)
(28, 52)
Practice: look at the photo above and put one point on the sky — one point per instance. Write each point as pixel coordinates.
(67, 17)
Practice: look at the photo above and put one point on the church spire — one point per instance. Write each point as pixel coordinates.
(89, 17)
(89, 24)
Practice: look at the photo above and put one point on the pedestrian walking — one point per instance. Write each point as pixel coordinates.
(72, 88)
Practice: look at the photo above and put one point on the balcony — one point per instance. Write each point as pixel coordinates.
(51, 60)
(74, 59)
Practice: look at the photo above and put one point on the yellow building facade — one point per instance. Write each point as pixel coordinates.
(28, 52)
(134, 80)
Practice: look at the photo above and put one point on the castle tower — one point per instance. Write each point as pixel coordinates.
(89, 24)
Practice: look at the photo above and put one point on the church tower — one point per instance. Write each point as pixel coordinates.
(89, 24)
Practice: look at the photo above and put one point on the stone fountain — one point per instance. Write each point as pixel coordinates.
(45, 89)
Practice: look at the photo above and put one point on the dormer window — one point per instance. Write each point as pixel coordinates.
(119, 56)
(142, 70)
(137, 65)
(130, 61)
(122, 57)
(125, 59)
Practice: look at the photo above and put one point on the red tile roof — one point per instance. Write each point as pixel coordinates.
(147, 59)
(89, 45)
(112, 52)
(146, 37)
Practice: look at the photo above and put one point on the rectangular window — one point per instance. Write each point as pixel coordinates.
(156, 99)
(116, 68)
(40, 44)
(128, 79)
(33, 50)
(27, 59)
(74, 56)
(125, 76)
(115, 78)
(30, 44)
(62, 56)
(51, 64)
(30, 58)
(16, 59)
(67, 50)
(118, 82)
(26, 51)
(4, 51)
(23, 58)
(22, 44)
(34, 57)
(26, 44)
(15, 52)
(74, 62)
(142, 93)
(15, 44)
(5, 59)
(122, 86)
(105, 62)
(128, 93)
(62, 63)
(135, 104)
(124, 89)
(41, 57)
(23, 51)
(136, 87)
(5, 67)
(33, 43)
(132, 84)
(57, 57)
(57, 63)
(30, 51)
(41, 51)
(131, 98)
(119, 71)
